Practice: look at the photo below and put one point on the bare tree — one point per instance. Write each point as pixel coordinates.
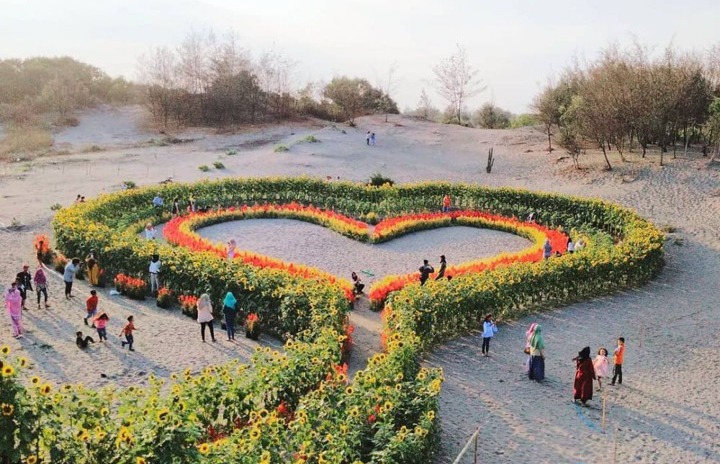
(456, 81)
(388, 86)
(425, 107)
(157, 72)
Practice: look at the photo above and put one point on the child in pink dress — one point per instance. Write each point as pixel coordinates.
(13, 305)
(101, 325)
(601, 365)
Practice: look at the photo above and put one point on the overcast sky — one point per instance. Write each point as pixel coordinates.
(516, 45)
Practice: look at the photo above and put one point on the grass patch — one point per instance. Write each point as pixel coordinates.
(218, 165)
(378, 180)
(668, 229)
(56, 207)
(280, 148)
(231, 152)
(128, 185)
(24, 140)
(310, 139)
(204, 167)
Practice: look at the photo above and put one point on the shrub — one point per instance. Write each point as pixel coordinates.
(25, 140)
(280, 148)
(164, 298)
(204, 167)
(218, 165)
(59, 263)
(310, 139)
(231, 152)
(188, 305)
(41, 244)
(378, 180)
(129, 185)
(55, 207)
(131, 287)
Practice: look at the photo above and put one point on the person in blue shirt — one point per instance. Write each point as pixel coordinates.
(489, 329)
(158, 201)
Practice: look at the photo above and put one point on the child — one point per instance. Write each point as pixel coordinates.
(149, 231)
(81, 342)
(489, 329)
(358, 286)
(41, 286)
(100, 322)
(601, 365)
(618, 355)
(91, 305)
(127, 331)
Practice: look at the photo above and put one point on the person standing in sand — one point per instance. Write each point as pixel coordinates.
(601, 366)
(528, 335)
(618, 357)
(536, 369)
(41, 286)
(71, 269)
(584, 376)
(230, 311)
(13, 306)
(372, 139)
(205, 316)
(24, 279)
(367, 138)
(489, 330)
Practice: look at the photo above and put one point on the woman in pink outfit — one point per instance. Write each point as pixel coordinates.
(13, 304)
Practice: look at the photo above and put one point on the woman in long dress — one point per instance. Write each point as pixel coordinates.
(230, 311)
(528, 335)
(93, 269)
(231, 246)
(536, 371)
(584, 376)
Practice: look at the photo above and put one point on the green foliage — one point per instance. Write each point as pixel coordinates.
(56, 207)
(129, 184)
(204, 167)
(218, 165)
(378, 180)
(310, 139)
(524, 120)
(281, 148)
(231, 152)
(356, 97)
(490, 116)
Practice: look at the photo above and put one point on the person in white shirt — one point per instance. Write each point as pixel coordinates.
(571, 246)
(149, 231)
(231, 246)
(154, 269)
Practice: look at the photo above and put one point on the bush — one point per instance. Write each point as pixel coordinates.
(164, 298)
(55, 207)
(131, 287)
(280, 148)
(218, 165)
(25, 140)
(231, 152)
(310, 139)
(204, 167)
(378, 180)
(128, 185)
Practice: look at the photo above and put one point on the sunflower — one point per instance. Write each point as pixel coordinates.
(7, 409)
(265, 457)
(35, 380)
(82, 435)
(31, 459)
(255, 433)
(162, 415)
(23, 362)
(204, 448)
(104, 411)
(7, 370)
(45, 389)
(349, 390)
(140, 460)
(5, 350)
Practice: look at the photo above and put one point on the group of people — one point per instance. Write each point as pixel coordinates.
(158, 203)
(426, 269)
(79, 199)
(586, 370)
(206, 317)
(16, 296)
(370, 138)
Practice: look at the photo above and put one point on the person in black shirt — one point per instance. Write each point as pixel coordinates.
(24, 280)
(425, 271)
(443, 265)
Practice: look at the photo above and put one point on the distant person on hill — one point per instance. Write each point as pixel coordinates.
(82, 199)
(601, 365)
(446, 204)
(425, 270)
(13, 306)
(41, 286)
(372, 139)
(367, 138)
(82, 342)
(547, 249)
(77, 199)
(489, 330)
(537, 355)
(230, 311)
(358, 286)
(154, 270)
(584, 376)
(443, 266)
(205, 316)
(150, 231)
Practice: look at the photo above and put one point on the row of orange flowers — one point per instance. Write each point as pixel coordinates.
(400, 225)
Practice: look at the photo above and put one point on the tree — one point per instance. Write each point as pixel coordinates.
(424, 107)
(456, 81)
(388, 88)
(490, 116)
(355, 97)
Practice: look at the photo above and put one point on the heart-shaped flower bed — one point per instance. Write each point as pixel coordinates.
(299, 406)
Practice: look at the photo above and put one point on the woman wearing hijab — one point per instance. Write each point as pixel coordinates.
(584, 376)
(13, 305)
(536, 371)
(205, 316)
(528, 334)
(230, 311)
(93, 269)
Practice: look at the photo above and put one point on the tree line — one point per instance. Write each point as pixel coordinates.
(630, 98)
(213, 81)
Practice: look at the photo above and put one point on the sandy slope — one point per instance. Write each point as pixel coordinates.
(665, 412)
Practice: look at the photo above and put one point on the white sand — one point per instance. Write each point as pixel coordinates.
(666, 412)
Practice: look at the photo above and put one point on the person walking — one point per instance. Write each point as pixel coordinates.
(528, 335)
(100, 323)
(230, 311)
(547, 249)
(367, 138)
(13, 306)
(443, 267)
(584, 376)
(372, 138)
(154, 270)
(425, 270)
(91, 305)
(69, 275)
(24, 279)
(128, 332)
(536, 369)
(489, 330)
(41, 286)
(618, 357)
(601, 366)
(205, 316)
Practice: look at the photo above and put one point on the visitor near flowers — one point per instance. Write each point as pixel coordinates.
(150, 231)
(154, 269)
(536, 369)
(528, 335)
(231, 246)
(69, 275)
(584, 376)
(547, 249)
(91, 305)
(13, 306)
(205, 316)
(446, 204)
(358, 286)
(41, 286)
(425, 270)
(230, 311)
(443, 266)
(24, 279)
(489, 330)
(128, 332)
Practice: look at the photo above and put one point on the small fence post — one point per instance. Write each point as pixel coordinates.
(476, 441)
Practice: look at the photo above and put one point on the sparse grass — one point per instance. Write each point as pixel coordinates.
(668, 229)
(56, 207)
(25, 139)
(231, 152)
(92, 149)
(310, 139)
(280, 148)
(218, 165)
(128, 184)
(204, 167)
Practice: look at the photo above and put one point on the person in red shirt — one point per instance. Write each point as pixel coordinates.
(446, 204)
(618, 356)
(91, 305)
(127, 331)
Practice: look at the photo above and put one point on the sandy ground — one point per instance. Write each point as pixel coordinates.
(666, 410)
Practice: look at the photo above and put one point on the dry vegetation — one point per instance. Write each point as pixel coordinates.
(24, 139)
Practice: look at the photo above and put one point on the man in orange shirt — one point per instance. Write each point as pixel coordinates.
(618, 361)
(91, 305)
(446, 204)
